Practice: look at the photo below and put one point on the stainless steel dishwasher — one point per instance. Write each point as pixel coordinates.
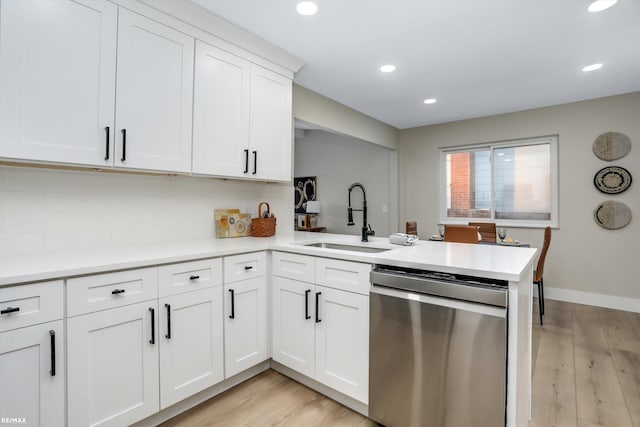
(437, 350)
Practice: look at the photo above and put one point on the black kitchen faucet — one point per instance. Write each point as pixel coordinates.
(366, 228)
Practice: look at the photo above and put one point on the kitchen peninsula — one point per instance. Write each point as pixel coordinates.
(228, 264)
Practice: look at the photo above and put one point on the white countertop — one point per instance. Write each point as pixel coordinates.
(492, 261)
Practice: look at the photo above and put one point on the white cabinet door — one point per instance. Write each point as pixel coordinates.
(154, 95)
(220, 113)
(32, 372)
(57, 80)
(245, 324)
(191, 344)
(293, 317)
(113, 366)
(271, 125)
(342, 342)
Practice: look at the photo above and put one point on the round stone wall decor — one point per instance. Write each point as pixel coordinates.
(612, 180)
(611, 146)
(612, 215)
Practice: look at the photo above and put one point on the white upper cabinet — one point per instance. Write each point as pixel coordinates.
(87, 82)
(57, 80)
(241, 118)
(154, 95)
(271, 125)
(220, 112)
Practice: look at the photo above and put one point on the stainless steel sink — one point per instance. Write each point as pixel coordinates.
(344, 247)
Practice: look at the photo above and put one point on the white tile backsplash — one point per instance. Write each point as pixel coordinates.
(47, 210)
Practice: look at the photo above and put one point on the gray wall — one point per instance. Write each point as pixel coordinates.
(586, 263)
(326, 113)
(339, 161)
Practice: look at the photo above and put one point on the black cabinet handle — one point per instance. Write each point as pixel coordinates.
(168, 335)
(124, 145)
(194, 277)
(248, 267)
(52, 334)
(255, 162)
(117, 291)
(318, 320)
(233, 305)
(10, 310)
(106, 155)
(306, 304)
(153, 325)
(246, 161)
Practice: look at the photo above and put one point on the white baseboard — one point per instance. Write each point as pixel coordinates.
(590, 298)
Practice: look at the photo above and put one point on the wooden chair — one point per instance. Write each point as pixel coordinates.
(412, 228)
(487, 230)
(461, 233)
(538, 272)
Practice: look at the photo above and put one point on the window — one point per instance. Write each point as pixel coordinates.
(510, 182)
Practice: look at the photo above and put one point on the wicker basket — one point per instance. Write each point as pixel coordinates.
(263, 227)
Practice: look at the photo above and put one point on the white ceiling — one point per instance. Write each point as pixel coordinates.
(477, 57)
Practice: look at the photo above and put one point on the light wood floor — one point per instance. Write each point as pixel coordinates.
(586, 373)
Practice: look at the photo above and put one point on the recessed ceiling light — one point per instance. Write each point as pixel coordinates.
(592, 67)
(389, 68)
(600, 5)
(307, 8)
(430, 101)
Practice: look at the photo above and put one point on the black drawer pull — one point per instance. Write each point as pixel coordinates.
(306, 304)
(194, 277)
(318, 320)
(106, 155)
(153, 325)
(10, 310)
(117, 291)
(52, 334)
(233, 303)
(168, 335)
(248, 267)
(246, 161)
(255, 163)
(124, 145)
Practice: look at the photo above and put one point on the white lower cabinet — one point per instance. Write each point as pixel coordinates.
(32, 375)
(245, 312)
(113, 366)
(130, 360)
(245, 324)
(32, 354)
(342, 342)
(294, 325)
(191, 344)
(319, 331)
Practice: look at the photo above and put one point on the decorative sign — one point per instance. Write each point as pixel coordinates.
(305, 189)
(611, 146)
(612, 180)
(612, 215)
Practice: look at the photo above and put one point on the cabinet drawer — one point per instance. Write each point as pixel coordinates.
(245, 266)
(345, 275)
(189, 276)
(102, 291)
(28, 305)
(294, 266)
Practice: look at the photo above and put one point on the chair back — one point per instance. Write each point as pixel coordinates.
(487, 230)
(545, 247)
(461, 233)
(412, 228)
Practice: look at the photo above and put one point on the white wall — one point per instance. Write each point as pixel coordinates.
(43, 210)
(585, 262)
(339, 161)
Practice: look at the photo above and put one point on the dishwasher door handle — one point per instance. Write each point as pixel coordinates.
(475, 307)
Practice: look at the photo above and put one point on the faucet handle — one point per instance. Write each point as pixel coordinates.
(370, 230)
